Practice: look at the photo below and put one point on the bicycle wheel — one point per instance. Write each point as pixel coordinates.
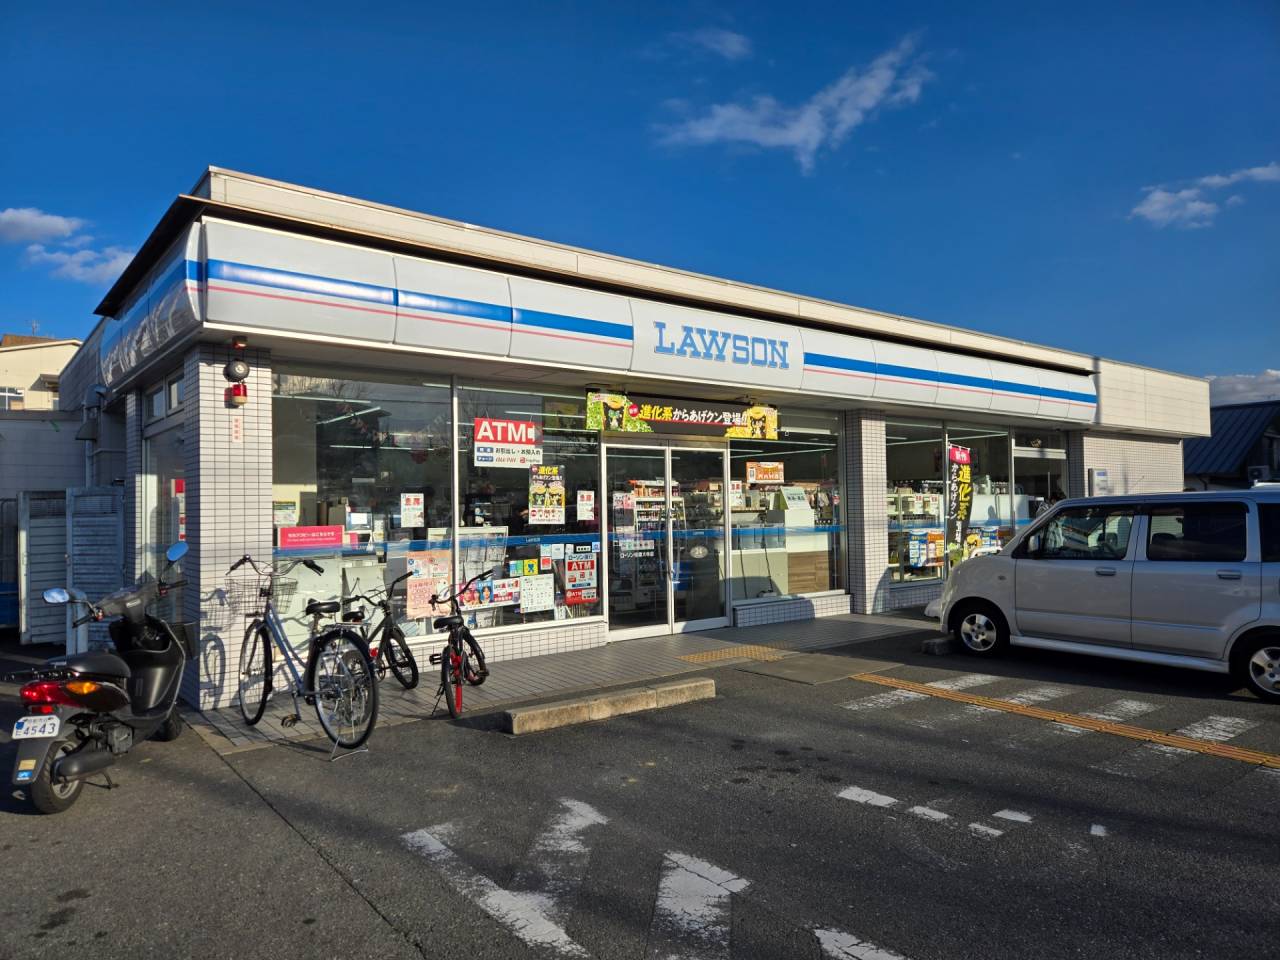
(255, 672)
(476, 673)
(346, 694)
(400, 657)
(451, 680)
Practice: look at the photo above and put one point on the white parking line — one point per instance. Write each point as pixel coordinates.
(1151, 758)
(1097, 830)
(928, 813)
(895, 698)
(869, 797)
(691, 916)
(844, 946)
(1017, 816)
(1026, 699)
(985, 832)
(1118, 711)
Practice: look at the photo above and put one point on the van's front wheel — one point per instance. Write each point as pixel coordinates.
(980, 630)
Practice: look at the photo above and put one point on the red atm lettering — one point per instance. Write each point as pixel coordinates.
(506, 431)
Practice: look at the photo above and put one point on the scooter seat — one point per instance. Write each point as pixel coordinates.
(98, 664)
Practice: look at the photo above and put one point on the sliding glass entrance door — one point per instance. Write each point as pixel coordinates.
(665, 513)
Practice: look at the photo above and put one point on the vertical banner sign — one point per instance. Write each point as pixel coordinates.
(546, 494)
(959, 496)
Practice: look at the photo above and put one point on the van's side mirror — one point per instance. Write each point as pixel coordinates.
(177, 551)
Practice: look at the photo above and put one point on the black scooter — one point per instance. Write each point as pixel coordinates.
(85, 710)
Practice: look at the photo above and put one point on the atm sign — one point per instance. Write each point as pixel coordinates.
(506, 431)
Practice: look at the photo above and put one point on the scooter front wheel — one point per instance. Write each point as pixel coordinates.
(48, 796)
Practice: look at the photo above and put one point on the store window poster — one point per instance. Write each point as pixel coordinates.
(537, 593)
(412, 510)
(546, 494)
(430, 576)
(586, 504)
(580, 572)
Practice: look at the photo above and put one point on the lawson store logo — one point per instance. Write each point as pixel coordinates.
(721, 346)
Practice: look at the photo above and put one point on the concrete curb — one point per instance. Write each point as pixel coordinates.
(563, 713)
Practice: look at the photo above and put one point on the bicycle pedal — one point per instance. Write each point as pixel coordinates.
(288, 720)
(435, 658)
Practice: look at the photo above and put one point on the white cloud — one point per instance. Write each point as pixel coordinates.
(29, 225)
(1243, 387)
(85, 264)
(723, 43)
(1268, 174)
(893, 79)
(1186, 207)
(1183, 208)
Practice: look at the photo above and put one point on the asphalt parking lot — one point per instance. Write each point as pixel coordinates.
(782, 819)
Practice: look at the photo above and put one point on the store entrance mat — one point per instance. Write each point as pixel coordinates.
(815, 668)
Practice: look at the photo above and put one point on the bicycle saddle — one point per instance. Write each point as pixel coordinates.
(447, 623)
(320, 608)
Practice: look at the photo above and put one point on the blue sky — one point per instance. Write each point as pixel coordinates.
(1102, 179)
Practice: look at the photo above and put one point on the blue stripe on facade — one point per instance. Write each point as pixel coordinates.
(934, 376)
(195, 271)
(558, 321)
(840, 363)
(300, 282)
(455, 306)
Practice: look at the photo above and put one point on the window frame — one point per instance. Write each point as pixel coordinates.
(1023, 550)
(1152, 509)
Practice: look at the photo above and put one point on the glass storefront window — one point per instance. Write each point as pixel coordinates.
(1039, 472)
(785, 503)
(990, 520)
(361, 470)
(164, 509)
(529, 472)
(915, 469)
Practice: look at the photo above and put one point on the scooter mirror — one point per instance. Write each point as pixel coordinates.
(56, 595)
(176, 552)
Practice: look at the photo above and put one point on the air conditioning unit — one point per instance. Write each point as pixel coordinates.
(1260, 474)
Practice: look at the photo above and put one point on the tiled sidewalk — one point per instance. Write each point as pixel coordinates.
(535, 678)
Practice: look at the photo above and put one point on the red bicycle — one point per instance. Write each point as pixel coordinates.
(461, 659)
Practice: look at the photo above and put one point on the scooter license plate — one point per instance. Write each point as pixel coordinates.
(33, 727)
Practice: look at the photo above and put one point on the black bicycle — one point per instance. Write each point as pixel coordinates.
(461, 659)
(387, 645)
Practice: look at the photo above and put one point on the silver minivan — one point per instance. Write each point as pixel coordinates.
(1180, 579)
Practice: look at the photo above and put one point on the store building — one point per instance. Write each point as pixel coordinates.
(632, 449)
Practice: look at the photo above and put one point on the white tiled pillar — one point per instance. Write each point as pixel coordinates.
(865, 510)
(228, 480)
(133, 533)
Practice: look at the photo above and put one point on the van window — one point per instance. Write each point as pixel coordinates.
(1269, 513)
(1084, 533)
(1198, 532)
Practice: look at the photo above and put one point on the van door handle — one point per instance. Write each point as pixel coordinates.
(1105, 571)
(1229, 574)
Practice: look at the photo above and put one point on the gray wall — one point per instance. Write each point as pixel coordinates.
(39, 451)
(1134, 464)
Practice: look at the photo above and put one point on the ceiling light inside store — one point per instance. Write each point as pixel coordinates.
(348, 416)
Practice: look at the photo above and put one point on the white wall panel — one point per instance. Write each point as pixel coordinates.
(1016, 389)
(839, 365)
(258, 278)
(447, 307)
(563, 324)
(974, 391)
(906, 374)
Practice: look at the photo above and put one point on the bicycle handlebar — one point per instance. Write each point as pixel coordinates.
(305, 561)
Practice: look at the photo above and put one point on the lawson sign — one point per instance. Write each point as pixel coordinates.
(703, 345)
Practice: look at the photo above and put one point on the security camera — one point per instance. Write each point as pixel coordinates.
(236, 371)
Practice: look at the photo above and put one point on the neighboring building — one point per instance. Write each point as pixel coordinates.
(29, 370)
(1242, 449)
(633, 449)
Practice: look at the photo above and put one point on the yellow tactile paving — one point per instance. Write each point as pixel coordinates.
(744, 652)
(1256, 757)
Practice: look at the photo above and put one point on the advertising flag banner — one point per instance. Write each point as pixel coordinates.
(959, 498)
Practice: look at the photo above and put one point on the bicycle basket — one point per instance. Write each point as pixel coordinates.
(246, 593)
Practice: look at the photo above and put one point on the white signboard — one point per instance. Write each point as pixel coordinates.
(537, 593)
